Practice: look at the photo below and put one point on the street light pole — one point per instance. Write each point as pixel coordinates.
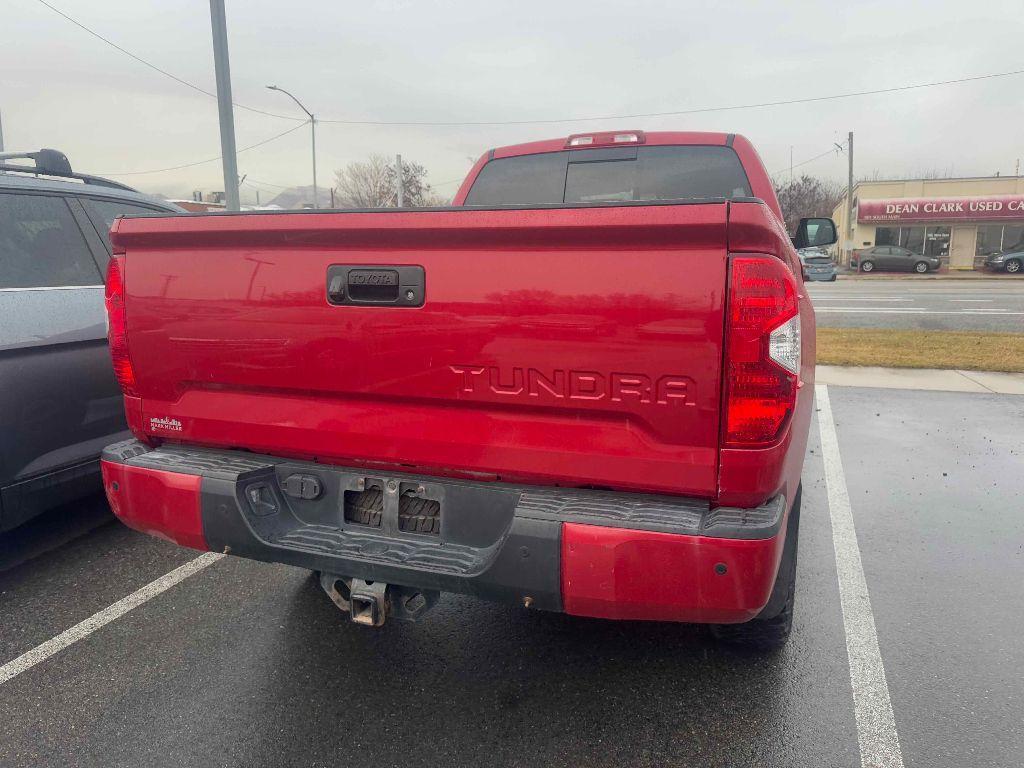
(848, 244)
(312, 128)
(224, 107)
(399, 183)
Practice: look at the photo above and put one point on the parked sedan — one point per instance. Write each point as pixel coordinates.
(818, 265)
(1011, 261)
(893, 258)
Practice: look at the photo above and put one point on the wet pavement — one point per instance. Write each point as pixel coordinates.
(250, 664)
(921, 304)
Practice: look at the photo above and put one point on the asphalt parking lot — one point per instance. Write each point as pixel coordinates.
(250, 664)
(921, 303)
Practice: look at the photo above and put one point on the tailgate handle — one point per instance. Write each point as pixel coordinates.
(375, 285)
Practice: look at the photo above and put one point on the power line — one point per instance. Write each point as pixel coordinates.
(155, 68)
(699, 110)
(835, 148)
(208, 160)
(543, 121)
(258, 183)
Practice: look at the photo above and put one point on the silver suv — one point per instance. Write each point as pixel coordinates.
(59, 402)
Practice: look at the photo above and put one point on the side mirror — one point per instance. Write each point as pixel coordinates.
(810, 232)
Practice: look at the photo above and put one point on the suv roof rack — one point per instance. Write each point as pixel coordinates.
(52, 162)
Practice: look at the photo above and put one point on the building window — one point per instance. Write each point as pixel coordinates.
(1013, 238)
(887, 235)
(936, 241)
(912, 238)
(994, 238)
(989, 238)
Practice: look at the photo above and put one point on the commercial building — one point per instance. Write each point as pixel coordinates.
(198, 206)
(959, 220)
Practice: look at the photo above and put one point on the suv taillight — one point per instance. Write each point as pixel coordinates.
(117, 326)
(762, 351)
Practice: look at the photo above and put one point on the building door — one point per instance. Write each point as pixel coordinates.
(936, 242)
(961, 248)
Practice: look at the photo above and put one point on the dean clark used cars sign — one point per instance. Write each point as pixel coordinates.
(942, 208)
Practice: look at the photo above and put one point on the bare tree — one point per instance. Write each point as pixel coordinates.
(415, 190)
(366, 183)
(928, 174)
(371, 183)
(807, 196)
(433, 199)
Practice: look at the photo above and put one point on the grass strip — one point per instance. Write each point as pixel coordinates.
(890, 348)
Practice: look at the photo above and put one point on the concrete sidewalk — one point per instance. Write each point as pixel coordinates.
(988, 382)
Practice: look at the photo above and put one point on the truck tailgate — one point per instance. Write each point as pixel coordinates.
(571, 346)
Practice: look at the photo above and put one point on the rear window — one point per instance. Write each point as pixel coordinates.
(41, 245)
(611, 175)
(108, 210)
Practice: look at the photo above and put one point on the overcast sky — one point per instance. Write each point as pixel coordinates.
(503, 61)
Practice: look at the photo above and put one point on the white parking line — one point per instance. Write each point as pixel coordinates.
(876, 724)
(973, 300)
(85, 628)
(911, 311)
(861, 298)
(875, 310)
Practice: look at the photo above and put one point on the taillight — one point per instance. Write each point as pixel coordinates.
(117, 326)
(762, 351)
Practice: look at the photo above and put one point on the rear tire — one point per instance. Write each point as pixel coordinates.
(921, 267)
(867, 266)
(771, 628)
(1013, 266)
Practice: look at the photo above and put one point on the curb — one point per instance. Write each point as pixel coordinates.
(898, 276)
(927, 379)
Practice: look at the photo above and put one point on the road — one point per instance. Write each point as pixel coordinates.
(924, 304)
(247, 664)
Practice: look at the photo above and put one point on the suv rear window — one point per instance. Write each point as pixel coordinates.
(609, 175)
(108, 210)
(41, 245)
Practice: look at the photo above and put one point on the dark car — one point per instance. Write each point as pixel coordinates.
(59, 401)
(818, 266)
(1010, 260)
(893, 258)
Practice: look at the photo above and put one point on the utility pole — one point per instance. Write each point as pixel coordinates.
(257, 198)
(791, 165)
(312, 128)
(2, 135)
(848, 245)
(224, 105)
(398, 182)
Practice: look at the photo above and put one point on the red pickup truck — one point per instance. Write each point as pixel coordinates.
(585, 387)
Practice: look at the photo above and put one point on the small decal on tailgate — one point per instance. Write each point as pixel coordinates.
(164, 423)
